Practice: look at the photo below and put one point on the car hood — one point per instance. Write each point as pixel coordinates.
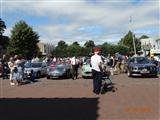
(57, 71)
(143, 65)
(86, 67)
(34, 69)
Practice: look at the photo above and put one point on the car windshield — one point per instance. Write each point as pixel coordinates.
(27, 64)
(88, 61)
(57, 68)
(36, 65)
(141, 60)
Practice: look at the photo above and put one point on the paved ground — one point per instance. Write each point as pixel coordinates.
(134, 99)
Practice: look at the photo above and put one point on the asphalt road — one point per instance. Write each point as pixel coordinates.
(67, 99)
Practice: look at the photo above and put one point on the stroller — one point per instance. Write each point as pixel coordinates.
(107, 84)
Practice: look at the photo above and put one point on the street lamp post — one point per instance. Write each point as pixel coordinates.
(134, 45)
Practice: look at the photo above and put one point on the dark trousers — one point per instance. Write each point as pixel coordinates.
(5, 73)
(74, 71)
(31, 76)
(97, 80)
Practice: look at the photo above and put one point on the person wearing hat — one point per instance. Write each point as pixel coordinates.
(96, 61)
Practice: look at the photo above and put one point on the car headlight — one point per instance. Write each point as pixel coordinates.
(28, 71)
(64, 70)
(48, 69)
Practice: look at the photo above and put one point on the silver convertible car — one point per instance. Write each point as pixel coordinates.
(62, 70)
(39, 69)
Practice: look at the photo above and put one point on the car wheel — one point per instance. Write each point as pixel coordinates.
(67, 75)
(84, 77)
(38, 75)
(128, 73)
(48, 77)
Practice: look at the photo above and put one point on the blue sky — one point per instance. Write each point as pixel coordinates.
(83, 20)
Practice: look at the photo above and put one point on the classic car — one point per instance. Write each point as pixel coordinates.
(140, 66)
(38, 68)
(62, 70)
(86, 69)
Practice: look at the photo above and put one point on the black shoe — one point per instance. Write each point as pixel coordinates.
(103, 91)
(96, 92)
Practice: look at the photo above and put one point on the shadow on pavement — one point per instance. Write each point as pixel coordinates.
(48, 108)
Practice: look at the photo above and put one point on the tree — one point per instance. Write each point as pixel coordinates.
(75, 43)
(122, 49)
(61, 49)
(62, 44)
(74, 50)
(89, 44)
(104, 49)
(127, 41)
(2, 27)
(23, 40)
(4, 40)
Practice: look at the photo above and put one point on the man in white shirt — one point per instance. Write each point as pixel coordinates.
(74, 64)
(96, 61)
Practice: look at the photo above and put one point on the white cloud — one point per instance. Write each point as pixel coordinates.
(112, 16)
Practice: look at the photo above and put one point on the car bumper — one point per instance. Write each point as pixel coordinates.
(56, 75)
(143, 73)
(87, 74)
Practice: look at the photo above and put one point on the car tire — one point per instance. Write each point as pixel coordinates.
(38, 75)
(48, 77)
(84, 77)
(67, 74)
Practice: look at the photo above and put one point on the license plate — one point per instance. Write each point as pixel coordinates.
(28, 72)
(144, 71)
(55, 74)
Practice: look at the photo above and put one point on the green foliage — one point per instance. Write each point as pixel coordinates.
(75, 43)
(23, 40)
(60, 50)
(74, 50)
(4, 41)
(112, 49)
(127, 41)
(2, 27)
(64, 50)
(122, 49)
(104, 49)
(62, 44)
(89, 44)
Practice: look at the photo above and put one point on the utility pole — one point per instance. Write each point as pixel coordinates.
(134, 45)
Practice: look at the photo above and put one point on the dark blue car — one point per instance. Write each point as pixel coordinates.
(141, 66)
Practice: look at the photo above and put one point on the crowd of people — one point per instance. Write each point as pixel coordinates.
(116, 64)
(14, 66)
